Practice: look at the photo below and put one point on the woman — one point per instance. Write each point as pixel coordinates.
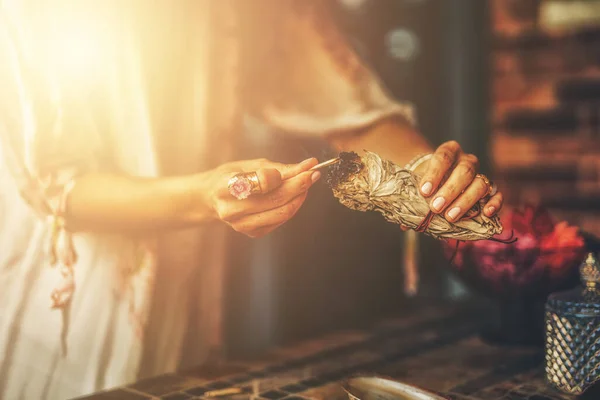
(118, 125)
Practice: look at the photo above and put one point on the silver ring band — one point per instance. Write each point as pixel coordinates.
(493, 189)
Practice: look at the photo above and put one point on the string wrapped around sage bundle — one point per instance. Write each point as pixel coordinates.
(369, 183)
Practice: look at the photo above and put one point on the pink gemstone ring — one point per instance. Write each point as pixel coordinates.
(242, 185)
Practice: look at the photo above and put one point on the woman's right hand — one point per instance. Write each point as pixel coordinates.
(283, 191)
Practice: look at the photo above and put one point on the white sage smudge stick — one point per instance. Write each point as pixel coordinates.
(369, 183)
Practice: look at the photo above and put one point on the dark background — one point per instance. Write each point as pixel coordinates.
(334, 268)
(485, 73)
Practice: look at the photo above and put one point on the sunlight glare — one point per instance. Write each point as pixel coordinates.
(76, 52)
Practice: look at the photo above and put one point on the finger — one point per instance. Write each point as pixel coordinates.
(287, 191)
(460, 178)
(255, 222)
(474, 192)
(494, 204)
(234, 209)
(290, 170)
(287, 170)
(264, 231)
(269, 179)
(442, 160)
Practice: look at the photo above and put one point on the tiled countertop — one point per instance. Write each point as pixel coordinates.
(434, 347)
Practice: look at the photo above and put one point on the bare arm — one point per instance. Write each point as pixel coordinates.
(110, 202)
(101, 202)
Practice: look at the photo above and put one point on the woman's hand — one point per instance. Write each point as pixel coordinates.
(283, 191)
(462, 189)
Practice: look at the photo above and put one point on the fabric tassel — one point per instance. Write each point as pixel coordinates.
(62, 253)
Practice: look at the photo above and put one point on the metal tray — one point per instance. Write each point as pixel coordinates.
(377, 388)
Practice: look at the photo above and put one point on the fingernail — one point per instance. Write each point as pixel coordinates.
(491, 210)
(438, 203)
(454, 213)
(426, 188)
(315, 176)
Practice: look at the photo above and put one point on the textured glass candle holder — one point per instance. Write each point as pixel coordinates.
(573, 333)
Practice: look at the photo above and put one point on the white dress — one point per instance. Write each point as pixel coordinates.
(118, 104)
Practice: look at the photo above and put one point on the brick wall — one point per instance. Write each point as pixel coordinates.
(546, 112)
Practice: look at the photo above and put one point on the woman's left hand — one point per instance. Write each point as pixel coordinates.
(463, 187)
